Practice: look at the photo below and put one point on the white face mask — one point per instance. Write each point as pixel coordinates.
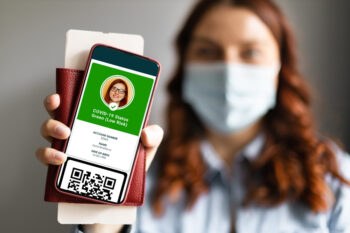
(229, 97)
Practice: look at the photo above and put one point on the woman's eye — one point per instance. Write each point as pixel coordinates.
(251, 54)
(211, 53)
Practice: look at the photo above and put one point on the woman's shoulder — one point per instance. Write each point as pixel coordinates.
(342, 164)
(342, 157)
(340, 210)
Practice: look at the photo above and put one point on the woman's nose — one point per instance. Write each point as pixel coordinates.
(231, 54)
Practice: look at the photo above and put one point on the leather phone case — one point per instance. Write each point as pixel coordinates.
(68, 85)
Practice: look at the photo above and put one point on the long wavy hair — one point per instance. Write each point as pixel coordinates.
(294, 160)
(124, 100)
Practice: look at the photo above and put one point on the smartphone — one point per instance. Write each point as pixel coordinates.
(112, 108)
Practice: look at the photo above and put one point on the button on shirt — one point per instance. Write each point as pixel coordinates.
(220, 211)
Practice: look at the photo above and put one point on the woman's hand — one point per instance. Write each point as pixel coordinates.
(151, 136)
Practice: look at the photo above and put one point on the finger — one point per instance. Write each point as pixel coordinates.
(48, 155)
(151, 137)
(51, 103)
(54, 129)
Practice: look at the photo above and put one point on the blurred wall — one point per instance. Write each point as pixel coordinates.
(323, 34)
(32, 35)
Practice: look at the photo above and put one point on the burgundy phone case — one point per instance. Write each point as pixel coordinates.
(68, 85)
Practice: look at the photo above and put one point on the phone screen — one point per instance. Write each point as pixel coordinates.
(106, 129)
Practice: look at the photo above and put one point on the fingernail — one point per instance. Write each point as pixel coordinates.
(59, 156)
(62, 131)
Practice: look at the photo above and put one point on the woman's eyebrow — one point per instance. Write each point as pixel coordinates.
(253, 42)
(200, 39)
(250, 42)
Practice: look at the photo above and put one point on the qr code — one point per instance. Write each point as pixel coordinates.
(95, 186)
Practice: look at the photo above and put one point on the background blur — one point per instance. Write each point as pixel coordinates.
(32, 38)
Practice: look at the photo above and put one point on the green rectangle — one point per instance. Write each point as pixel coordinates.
(96, 110)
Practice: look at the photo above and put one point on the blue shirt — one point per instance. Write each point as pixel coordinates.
(219, 210)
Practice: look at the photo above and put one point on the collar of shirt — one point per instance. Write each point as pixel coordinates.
(216, 166)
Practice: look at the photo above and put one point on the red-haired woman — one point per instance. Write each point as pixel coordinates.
(241, 153)
(117, 93)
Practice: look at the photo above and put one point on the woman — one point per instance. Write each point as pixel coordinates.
(240, 153)
(117, 93)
